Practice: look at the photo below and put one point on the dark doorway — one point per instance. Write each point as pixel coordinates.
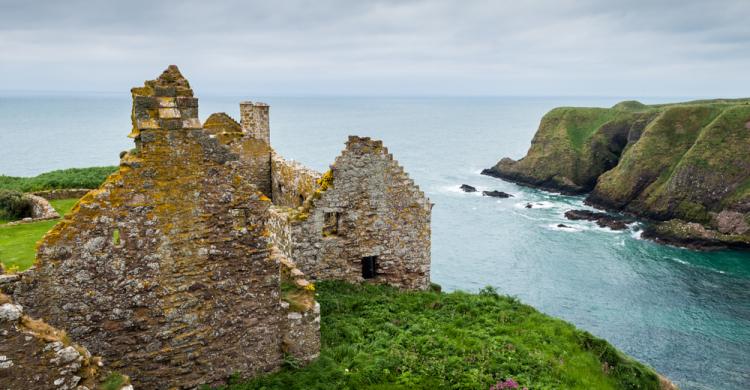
(369, 267)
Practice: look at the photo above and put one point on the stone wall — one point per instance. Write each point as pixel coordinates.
(370, 209)
(291, 182)
(41, 209)
(255, 158)
(68, 193)
(301, 330)
(223, 127)
(165, 270)
(255, 121)
(35, 355)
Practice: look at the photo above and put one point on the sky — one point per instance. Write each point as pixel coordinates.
(382, 48)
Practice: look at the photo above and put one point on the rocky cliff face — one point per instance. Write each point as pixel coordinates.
(686, 164)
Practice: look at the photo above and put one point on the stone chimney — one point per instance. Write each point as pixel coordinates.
(254, 120)
(165, 103)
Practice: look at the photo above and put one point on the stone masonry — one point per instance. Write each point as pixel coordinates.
(364, 220)
(367, 221)
(167, 270)
(191, 262)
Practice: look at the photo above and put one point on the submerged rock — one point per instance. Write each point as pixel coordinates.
(497, 194)
(468, 188)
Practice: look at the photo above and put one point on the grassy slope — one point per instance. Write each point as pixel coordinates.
(691, 160)
(375, 337)
(65, 178)
(651, 159)
(18, 242)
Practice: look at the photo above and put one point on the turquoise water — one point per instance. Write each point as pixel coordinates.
(685, 313)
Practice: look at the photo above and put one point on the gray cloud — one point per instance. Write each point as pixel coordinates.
(639, 48)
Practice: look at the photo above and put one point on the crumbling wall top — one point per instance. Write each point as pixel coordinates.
(223, 126)
(164, 103)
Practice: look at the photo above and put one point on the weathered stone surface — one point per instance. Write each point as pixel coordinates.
(35, 355)
(366, 209)
(223, 127)
(291, 182)
(468, 188)
(254, 120)
(41, 209)
(179, 271)
(70, 193)
(165, 270)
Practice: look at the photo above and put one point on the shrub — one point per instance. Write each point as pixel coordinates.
(65, 178)
(14, 205)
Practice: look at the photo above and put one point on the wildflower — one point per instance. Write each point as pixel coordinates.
(503, 385)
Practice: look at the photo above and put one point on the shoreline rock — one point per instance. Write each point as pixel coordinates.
(601, 219)
(468, 188)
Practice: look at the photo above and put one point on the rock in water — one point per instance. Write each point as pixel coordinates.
(496, 194)
(468, 188)
(601, 219)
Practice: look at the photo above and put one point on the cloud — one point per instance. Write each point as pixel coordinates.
(638, 48)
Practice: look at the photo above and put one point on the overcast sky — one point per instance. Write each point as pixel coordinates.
(321, 47)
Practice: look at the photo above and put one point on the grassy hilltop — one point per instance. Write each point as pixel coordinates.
(687, 164)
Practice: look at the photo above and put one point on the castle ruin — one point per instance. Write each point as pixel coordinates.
(196, 259)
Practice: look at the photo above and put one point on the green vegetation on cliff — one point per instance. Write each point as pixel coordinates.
(376, 337)
(65, 178)
(688, 162)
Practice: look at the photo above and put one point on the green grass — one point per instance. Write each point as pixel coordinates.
(375, 337)
(66, 178)
(18, 242)
(582, 123)
(114, 381)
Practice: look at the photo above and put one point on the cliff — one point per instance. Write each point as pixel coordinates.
(685, 165)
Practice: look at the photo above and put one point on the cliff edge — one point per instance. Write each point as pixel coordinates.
(685, 166)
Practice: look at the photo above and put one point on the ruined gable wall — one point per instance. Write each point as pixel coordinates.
(255, 156)
(291, 182)
(381, 213)
(165, 270)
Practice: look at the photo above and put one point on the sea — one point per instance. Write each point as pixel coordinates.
(685, 313)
